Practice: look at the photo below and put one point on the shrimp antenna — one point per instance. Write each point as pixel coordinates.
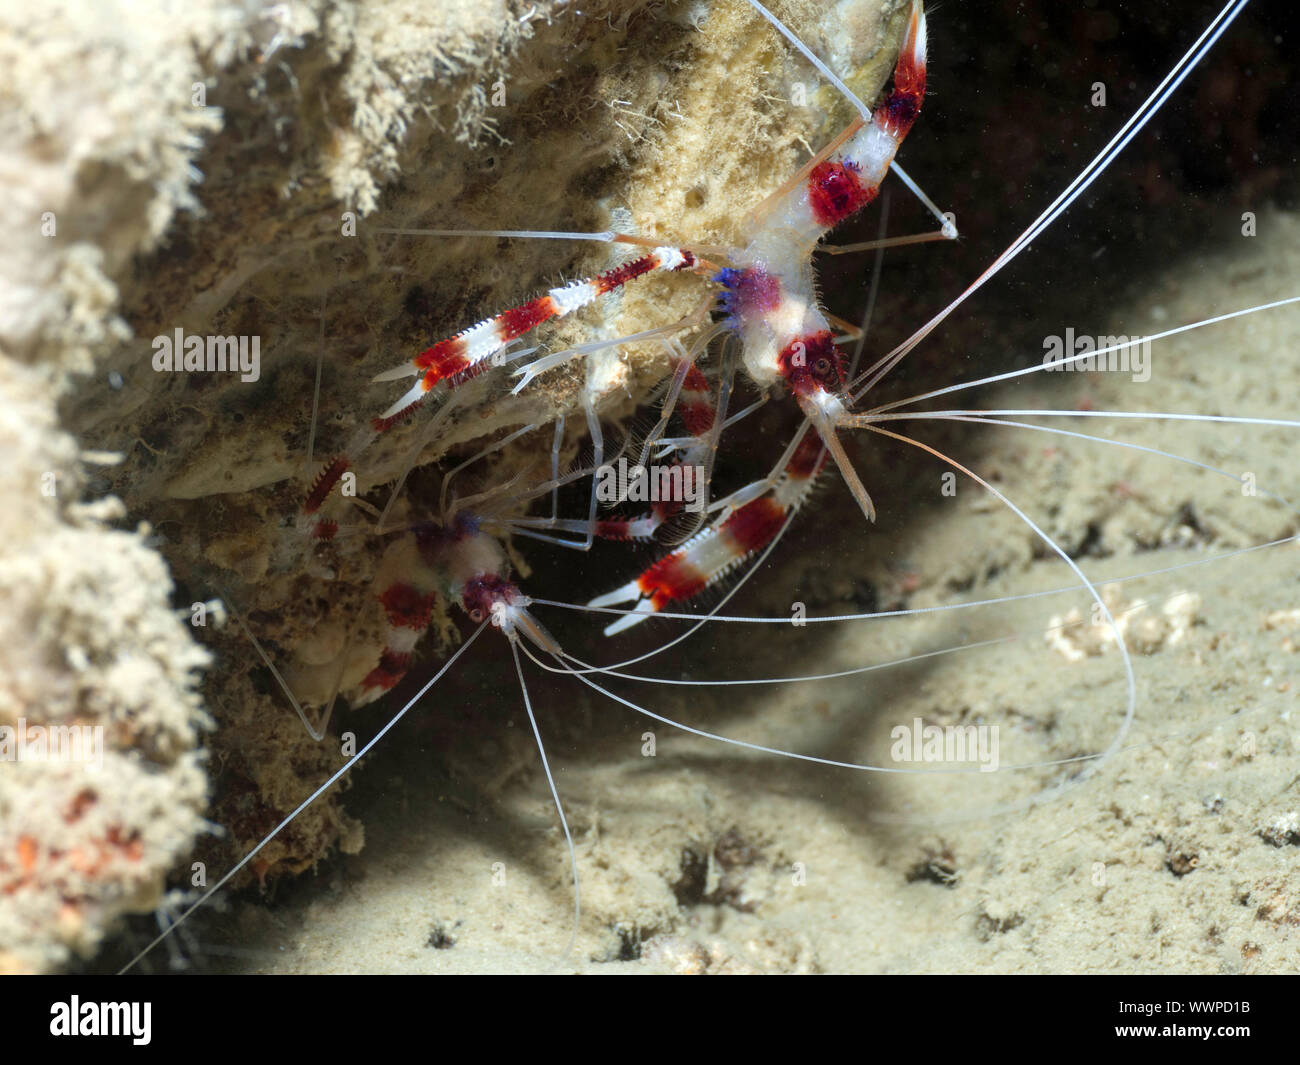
(555, 795)
(289, 819)
(1159, 96)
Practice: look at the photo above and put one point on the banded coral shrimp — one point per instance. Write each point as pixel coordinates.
(211, 462)
(716, 867)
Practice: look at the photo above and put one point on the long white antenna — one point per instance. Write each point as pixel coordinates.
(1086, 177)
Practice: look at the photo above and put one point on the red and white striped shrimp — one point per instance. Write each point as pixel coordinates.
(768, 296)
(715, 877)
(769, 301)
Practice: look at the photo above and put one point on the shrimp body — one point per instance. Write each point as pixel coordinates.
(771, 297)
(455, 562)
(771, 302)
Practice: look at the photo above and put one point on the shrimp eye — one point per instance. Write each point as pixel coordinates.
(476, 614)
(822, 365)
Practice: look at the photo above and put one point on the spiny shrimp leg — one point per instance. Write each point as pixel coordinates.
(705, 425)
(693, 470)
(601, 380)
(459, 358)
(948, 227)
(559, 358)
(448, 507)
(492, 448)
(465, 352)
(669, 444)
(713, 553)
(686, 360)
(688, 477)
(699, 414)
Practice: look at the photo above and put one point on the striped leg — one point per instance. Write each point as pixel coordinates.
(467, 354)
(685, 480)
(710, 555)
(451, 359)
(846, 175)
